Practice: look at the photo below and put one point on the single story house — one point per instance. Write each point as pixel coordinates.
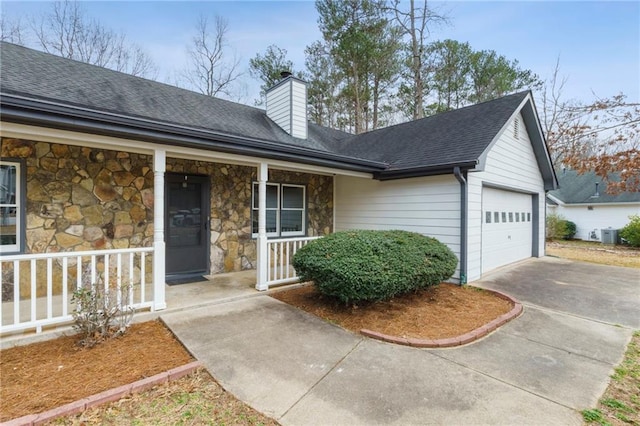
(115, 178)
(583, 199)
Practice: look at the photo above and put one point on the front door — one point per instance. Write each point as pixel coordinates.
(186, 224)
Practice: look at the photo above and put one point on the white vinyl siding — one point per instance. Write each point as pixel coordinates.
(601, 216)
(426, 205)
(279, 106)
(510, 164)
(299, 109)
(287, 107)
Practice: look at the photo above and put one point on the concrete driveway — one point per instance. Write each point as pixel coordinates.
(541, 368)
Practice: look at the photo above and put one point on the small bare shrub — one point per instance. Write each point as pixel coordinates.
(100, 313)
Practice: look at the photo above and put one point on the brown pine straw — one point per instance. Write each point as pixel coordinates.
(438, 312)
(45, 375)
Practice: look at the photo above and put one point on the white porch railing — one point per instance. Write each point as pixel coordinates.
(279, 255)
(37, 288)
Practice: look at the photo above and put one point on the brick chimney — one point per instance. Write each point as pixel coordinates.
(287, 105)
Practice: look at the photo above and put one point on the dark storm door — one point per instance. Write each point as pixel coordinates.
(186, 224)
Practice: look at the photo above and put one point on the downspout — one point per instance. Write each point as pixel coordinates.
(463, 224)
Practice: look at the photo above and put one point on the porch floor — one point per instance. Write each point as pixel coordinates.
(216, 289)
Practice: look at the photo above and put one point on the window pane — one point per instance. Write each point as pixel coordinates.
(517, 217)
(504, 217)
(271, 222)
(8, 205)
(496, 217)
(487, 217)
(255, 196)
(510, 216)
(291, 221)
(292, 197)
(8, 235)
(528, 217)
(7, 184)
(272, 196)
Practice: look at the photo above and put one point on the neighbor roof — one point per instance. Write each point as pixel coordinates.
(41, 88)
(578, 188)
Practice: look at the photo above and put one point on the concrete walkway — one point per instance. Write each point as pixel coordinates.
(541, 368)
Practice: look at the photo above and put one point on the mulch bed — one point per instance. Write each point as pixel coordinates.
(45, 375)
(438, 312)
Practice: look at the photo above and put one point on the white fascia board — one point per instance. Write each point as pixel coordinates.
(66, 137)
(620, 203)
(555, 200)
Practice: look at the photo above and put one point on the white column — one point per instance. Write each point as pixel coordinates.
(263, 266)
(159, 167)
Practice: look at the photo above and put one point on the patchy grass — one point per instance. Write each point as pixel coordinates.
(620, 404)
(595, 252)
(193, 400)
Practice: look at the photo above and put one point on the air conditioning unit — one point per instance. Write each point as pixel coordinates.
(609, 236)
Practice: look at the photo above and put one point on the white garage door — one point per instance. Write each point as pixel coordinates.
(506, 227)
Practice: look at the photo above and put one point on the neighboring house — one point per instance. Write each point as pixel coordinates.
(584, 200)
(171, 183)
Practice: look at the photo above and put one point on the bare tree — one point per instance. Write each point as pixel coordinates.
(602, 136)
(210, 71)
(415, 23)
(67, 31)
(11, 31)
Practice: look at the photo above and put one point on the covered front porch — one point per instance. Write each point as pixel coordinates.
(131, 246)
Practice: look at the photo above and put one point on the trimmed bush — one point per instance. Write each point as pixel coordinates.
(355, 266)
(631, 231)
(569, 230)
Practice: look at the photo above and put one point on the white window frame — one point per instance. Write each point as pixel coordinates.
(254, 208)
(279, 209)
(303, 210)
(17, 204)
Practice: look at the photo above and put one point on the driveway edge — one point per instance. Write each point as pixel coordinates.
(109, 395)
(449, 342)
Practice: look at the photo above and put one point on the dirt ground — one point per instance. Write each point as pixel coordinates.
(595, 252)
(438, 312)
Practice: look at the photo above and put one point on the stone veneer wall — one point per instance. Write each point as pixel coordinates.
(80, 198)
(232, 248)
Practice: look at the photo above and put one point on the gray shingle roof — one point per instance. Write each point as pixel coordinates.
(454, 137)
(47, 77)
(580, 188)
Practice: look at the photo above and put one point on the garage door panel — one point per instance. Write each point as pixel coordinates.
(506, 227)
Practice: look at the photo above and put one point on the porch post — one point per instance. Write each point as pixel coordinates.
(159, 167)
(263, 266)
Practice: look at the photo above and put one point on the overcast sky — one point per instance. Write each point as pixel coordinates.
(598, 43)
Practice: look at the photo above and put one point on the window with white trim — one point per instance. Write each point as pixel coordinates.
(286, 210)
(10, 208)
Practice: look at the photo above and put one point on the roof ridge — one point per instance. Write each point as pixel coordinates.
(126, 75)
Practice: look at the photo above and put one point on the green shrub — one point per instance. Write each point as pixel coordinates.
(361, 265)
(569, 230)
(631, 231)
(559, 228)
